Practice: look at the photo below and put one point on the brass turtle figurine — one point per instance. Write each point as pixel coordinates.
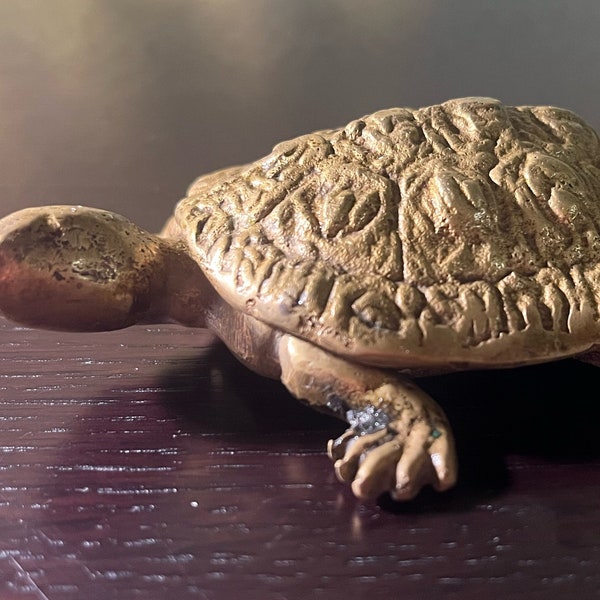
(460, 236)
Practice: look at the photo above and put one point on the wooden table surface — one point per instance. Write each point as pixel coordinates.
(147, 463)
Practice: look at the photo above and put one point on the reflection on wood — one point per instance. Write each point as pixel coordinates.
(148, 463)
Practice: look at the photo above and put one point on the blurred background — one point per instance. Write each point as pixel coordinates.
(121, 103)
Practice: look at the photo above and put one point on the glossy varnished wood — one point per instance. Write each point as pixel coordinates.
(147, 463)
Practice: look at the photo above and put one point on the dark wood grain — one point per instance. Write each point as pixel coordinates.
(147, 463)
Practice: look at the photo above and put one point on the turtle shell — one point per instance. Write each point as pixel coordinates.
(460, 235)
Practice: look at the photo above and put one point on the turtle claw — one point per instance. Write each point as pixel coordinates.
(337, 448)
(350, 449)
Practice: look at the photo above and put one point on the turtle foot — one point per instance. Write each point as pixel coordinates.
(400, 459)
(399, 438)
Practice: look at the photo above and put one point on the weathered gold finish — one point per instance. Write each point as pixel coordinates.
(458, 236)
(464, 233)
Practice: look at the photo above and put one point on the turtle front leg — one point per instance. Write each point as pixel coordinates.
(399, 439)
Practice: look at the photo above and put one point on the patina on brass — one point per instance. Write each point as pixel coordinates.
(459, 236)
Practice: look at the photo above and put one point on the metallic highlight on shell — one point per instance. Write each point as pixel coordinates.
(467, 226)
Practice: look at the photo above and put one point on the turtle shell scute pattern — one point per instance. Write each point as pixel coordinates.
(465, 231)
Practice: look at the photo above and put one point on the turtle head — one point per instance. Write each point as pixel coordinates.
(79, 269)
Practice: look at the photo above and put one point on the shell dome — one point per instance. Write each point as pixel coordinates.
(461, 235)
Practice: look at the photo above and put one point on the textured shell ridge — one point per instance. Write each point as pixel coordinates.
(466, 231)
